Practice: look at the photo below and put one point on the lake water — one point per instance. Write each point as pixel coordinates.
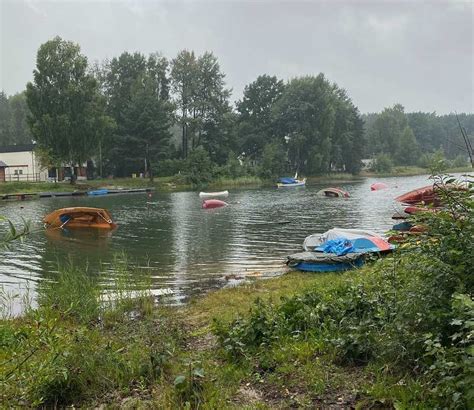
(188, 250)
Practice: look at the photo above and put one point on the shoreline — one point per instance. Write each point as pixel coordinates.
(172, 184)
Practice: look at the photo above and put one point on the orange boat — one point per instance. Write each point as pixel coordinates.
(79, 217)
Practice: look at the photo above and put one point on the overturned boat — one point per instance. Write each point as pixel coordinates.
(213, 203)
(79, 217)
(338, 250)
(333, 193)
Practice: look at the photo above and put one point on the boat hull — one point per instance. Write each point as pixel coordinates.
(79, 218)
(324, 262)
(296, 184)
(213, 194)
(213, 203)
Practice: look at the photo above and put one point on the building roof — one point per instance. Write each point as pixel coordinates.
(17, 148)
(3, 165)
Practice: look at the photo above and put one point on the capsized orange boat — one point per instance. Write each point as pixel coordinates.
(79, 217)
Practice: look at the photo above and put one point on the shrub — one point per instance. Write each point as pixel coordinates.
(382, 163)
(199, 167)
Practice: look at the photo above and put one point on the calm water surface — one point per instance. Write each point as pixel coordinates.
(188, 250)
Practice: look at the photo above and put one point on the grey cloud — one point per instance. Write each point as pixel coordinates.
(417, 53)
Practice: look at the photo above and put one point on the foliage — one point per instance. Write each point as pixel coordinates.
(13, 233)
(199, 168)
(382, 163)
(67, 110)
(14, 128)
(137, 92)
(321, 125)
(57, 355)
(200, 95)
(435, 161)
(255, 123)
(409, 313)
(273, 161)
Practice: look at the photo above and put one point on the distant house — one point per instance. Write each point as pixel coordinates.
(20, 163)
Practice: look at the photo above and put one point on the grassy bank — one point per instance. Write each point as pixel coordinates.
(407, 171)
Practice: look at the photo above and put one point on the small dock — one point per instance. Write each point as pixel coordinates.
(26, 196)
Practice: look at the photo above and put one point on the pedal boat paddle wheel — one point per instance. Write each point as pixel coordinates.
(79, 217)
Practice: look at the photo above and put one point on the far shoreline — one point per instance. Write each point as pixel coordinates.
(176, 183)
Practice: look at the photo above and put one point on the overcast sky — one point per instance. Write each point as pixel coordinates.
(418, 53)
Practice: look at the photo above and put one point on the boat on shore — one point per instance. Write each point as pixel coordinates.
(98, 192)
(338, 250)
(213, 194)
(79, 217)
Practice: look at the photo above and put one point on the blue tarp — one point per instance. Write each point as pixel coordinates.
(338, 246)
(343, 246)
(288, 180)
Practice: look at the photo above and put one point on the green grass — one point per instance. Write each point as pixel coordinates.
(412, 170)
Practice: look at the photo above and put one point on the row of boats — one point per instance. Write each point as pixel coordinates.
(342, 249)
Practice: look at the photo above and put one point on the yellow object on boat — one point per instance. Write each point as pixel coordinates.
(79, 217)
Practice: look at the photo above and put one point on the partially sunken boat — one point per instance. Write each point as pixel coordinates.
(79, 217)
(334, 193)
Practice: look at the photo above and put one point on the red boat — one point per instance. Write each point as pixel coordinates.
(377, 186)
(426, 195)
(213, 203)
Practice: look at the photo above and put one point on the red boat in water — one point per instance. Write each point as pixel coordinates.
(426, 195)
(213, 203)
(377, 186)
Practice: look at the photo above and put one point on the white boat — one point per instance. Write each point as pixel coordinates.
(298, 182)
(213, 194)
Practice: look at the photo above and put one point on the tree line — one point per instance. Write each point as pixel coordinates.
(148, 114)
(400, 138)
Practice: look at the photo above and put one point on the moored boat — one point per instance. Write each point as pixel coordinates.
(287, 182)
(213, 194)
(334, 193)
(79, 217)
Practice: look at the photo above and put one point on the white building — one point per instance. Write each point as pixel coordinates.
(20, 163)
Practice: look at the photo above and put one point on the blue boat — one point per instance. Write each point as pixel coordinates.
(98, 192)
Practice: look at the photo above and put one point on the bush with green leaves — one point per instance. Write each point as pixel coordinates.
(382, 163)
(199, 167)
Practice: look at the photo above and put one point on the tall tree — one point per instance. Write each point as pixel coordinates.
(314, 116)
(67, 110)
(202, 100)
(137, 90)
(4, 120)
(255, 114)
(184, 77)
(148, 118)
(19, 129)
